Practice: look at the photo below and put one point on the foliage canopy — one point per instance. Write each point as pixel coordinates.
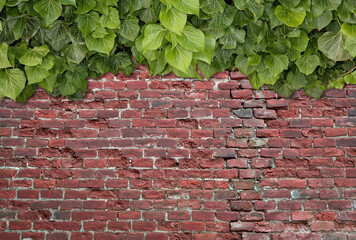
(287, 44)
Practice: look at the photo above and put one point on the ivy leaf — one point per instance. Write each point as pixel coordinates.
(49, 82)
(85, 6)
(276, 63)
(187, 6)
(296, 79)
(210, 44)
(254, 6)
(222, 20)
(74, 81)
(33, 57)
(4, 61)
(32, 27)
(26, 93)
(87, 23)
(206, 69)
(314, 92)
(74, 52)
(291, 17)
(350, 78)
(111, 20)
(213, 6)
(69, 2)
(192, 39)
(102, 45)
(2, 4)
(349, 30)
(350, 45)
(173, 19)
(241, 64)
(153, 37)
(307, 64)
(59, 31)
(12, 82)
(179, 57)
(130, 28)
(36, 74)
(301, 42)
(289, 3)
(18, 25)
(120, 61)
(232, 37)
(255, 80)
(50, 10)
(327, 4)
(283, 89)
(332, 45)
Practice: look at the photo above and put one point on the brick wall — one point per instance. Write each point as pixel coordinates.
(178, 159)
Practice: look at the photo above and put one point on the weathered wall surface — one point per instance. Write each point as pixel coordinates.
(179, 159)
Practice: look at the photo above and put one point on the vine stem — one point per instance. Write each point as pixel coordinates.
(343, 75)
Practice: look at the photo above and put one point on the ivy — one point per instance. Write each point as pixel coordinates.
(286, 44)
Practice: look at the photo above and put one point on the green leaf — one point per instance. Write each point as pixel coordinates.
(327, 4)
(36, 74)
(19, 27)
(2, 4)
(254, 60)
(255, 80)
(4, 61)
(254, 6)
(291, 17)
(350, 78)
(332, 45)
(296, 79)
(349, 30)
(33, 57)
(49, 82)
(74, 81)
(267, 77)
(187, 6)
(74, 52)
(87, 23)
(120, 61)
(12, 82)
(206, 69)
(111, 20)
(232, 37)
(213, 6)
(130, 28)
(314, 92)
(59, 31)
(153, 37)
(284, 89)
(241, 64)
(207, 55)
(350, 46)
(101, 45)
(307, 64)
(222, 20)
(173, 19)
(85, 6)
(50, 10)
(301, 42)
(289, 3)
(179, 57)
(192, 39)
(276, 63)
(69, 2)
(27, 92)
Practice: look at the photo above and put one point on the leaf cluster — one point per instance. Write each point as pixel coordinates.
(286, 44)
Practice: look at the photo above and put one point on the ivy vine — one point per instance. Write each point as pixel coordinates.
(286, 44)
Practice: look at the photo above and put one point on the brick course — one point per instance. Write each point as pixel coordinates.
(175, 159)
